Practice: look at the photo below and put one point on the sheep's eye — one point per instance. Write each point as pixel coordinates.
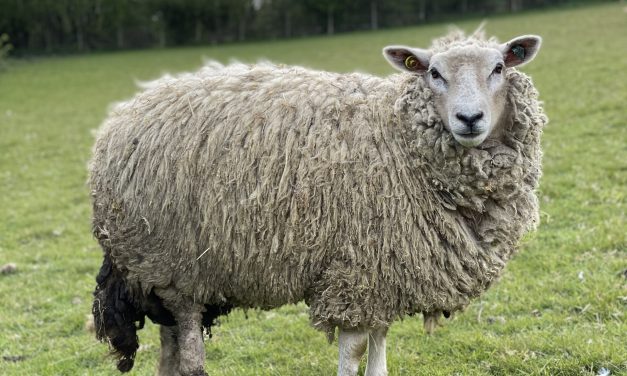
(498, 69)
(435, 74)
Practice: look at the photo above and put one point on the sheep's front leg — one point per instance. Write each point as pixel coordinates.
(169, 359)
(377, 365)
(352, 345)
(191, 347)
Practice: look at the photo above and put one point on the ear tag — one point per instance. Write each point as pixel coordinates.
(519, 52)
(411, 62)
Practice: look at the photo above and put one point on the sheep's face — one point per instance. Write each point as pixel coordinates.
(468, 83)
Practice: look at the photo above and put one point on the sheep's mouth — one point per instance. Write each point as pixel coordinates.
(469, 135)
(470, 139)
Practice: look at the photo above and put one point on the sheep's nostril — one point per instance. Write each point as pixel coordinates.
(462, 117)
(475, 117)
(469, 120)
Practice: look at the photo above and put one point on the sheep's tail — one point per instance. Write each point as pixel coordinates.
(115, 315)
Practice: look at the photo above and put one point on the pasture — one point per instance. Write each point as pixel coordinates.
(560, 308)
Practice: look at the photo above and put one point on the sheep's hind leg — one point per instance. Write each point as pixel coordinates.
(169, 359)
(352, 344)
(377, 365)
(191, 347)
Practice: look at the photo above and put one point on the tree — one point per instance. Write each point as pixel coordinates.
(239, 12)
(78, 13)
(285, 9)
(117, 13)
(328, 8)
(374, 15)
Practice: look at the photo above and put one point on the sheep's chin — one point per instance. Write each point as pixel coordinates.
(470, 142)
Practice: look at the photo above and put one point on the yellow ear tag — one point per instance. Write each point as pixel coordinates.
(411, 62)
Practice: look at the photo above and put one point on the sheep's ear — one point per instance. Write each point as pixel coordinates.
(521, 50)
(407, 59)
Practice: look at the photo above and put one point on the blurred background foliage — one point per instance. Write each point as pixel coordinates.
(67, 26)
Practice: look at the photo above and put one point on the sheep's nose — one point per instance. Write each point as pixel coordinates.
(469, 120)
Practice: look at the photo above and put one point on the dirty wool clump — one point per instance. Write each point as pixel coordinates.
(258, 186)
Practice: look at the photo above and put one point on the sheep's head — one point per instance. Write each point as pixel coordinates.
(467, 80)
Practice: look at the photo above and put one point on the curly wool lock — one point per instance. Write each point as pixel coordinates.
(258, 186)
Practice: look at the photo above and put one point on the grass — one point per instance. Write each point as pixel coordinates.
(560, 308)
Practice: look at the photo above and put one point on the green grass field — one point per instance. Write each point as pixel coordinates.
(560, 308)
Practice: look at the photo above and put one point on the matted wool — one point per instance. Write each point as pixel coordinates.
(262, 185)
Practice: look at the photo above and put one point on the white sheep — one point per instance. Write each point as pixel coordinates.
(368, 198)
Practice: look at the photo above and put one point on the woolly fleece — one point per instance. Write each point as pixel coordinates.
(264, 185)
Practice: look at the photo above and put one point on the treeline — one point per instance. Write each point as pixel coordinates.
(46, 26)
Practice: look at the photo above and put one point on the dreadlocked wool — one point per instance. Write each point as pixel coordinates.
(262, 185)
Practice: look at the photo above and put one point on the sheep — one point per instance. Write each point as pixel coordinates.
(371, 199)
